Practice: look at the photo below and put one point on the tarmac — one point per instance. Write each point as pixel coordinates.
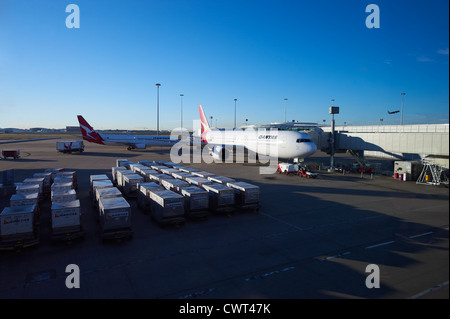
(311, 239)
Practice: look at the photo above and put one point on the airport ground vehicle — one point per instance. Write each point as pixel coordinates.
(70, 146)
(306, 172)
(287, 168)
(11, 153)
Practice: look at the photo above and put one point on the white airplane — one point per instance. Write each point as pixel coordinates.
(132, 141)
(288, 144)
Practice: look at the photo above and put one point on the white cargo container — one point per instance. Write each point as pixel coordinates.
(157, 167)
(69, 174)
(107, 192)
(130, 182)
(70, 146)
(198, 181)
(27, 188)
(136, 167)
(66, 216)
(123, 162)
(48, 178)
(120, 175)
(146, 163)
(98, 177)
(115, 218)
(143, 194)
(169, 171)
(114, 171)
(24, 199)
(58, 196)
(17, 222)
(182, 175)
(35, 180)
(203, 174)
(196, 201)
(188, 169)
(61, 186)
(63, 179)
(221, 179)
(221, 197)
(146, 174)
(157, 178)
(246, 195)
(167, 207)
(105, 183)
(172, 184)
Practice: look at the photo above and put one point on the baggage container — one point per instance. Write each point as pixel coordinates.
(203, 174)
(196, 201)
(63, 179)
(173, 184)
(246, 195)
(36, 180)
(27, 189)
(145, 173)
(198, 181)
(107, 192)
(61, 187)
(100, 184)
(182, 175)
(221, 179)
(169, 171)
(167, 207)
(66, 216)
(146, 163)
(161, 162)
(159, 177)
(114, 173)
(70, 174)
(99, 177)
(130, 182)
(17, 222)
(123, 162)
(135, 167)
(189, 169)
(104, 192)
(63, 196)
(24, 199)
(48, 179)
(115, 218)
(120, 175)
(157, 167)
(143, 194)
(221, 198)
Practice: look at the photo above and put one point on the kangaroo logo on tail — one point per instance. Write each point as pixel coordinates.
(88, 132)
(205, 126)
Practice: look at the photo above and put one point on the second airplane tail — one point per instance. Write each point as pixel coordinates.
(205, 125)
(88, 132)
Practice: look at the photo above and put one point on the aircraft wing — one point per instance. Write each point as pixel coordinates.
(29, 140)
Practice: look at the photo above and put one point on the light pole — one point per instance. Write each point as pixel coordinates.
(211, 121)
(235, 113)
(285, 101)
(157, 107)
(333, 110)
(181, 98)
(401, 121)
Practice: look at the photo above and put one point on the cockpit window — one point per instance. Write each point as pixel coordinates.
(301, 140)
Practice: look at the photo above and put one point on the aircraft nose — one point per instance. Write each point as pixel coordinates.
(312, 148)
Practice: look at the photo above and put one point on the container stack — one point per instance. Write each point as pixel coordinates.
(65, 207)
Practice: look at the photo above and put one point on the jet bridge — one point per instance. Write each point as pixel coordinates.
(396, 142)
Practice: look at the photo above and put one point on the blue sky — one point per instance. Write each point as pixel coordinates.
(258, 52)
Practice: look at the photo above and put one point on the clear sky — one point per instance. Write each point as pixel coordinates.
(259, 52)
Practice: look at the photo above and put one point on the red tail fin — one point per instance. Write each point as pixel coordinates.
(205, 126)
(88, 132)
